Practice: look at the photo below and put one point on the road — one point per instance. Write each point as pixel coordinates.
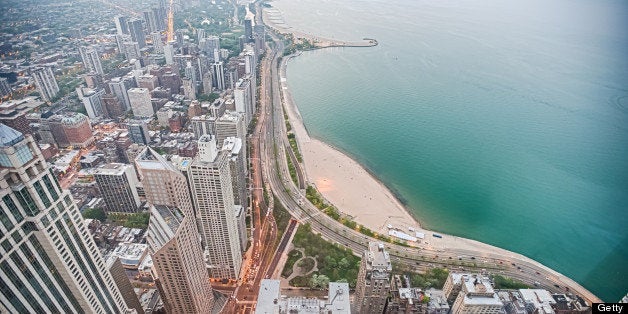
(275, 171)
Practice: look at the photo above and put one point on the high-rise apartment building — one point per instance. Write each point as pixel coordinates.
(92, 101)
(117, 184)
(212, 193)
(69, 129)
(140, 101)
(136, 29)
(163, 183)
(112, 106)
(218, 77)
(138, 131)
(119, 86)
(178, 270)
(202, 125)
(189, 88)
(230, 124)
(121, 25)
(91, 60)
(45, 82)
(373, 285)
(49, 263)
(158, 44)
(5, 88)
(237, 167)
(118, 274)
(244, 96)
(248, 29)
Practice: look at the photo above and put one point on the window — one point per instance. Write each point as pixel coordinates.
(8, 201)
(50, 187)
(42, 194)
(25, 199)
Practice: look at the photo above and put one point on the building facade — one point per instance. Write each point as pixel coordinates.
(212, 194)
(48, 260)
(140, 101)
(373, 285)
(117, 184)
(45, 82)
(180, 274)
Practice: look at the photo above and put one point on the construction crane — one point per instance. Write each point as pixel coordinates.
(171, 22)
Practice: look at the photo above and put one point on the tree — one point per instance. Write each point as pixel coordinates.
(343, 263)
(319, 281)
(95, 213)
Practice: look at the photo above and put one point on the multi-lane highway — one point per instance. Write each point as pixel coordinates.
(275, 171)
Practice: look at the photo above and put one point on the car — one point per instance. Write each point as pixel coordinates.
(513, 264)
(472, 257)
(557, 286)
(518, 267)
(538, 273)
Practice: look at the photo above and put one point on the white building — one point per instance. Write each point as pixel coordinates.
(139, 98)
(48, 259)
(91, 60)
(244, 96)
(45, 82)
(212, 193)
(92, 101)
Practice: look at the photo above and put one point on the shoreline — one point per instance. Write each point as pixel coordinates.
(332, 172)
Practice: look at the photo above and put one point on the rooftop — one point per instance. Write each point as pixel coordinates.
(171, 215)
(378, 257)
(112, 169)
(9, 136)
(268, 297)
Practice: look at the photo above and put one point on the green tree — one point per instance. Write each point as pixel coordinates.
(319, 281)
(95, 213)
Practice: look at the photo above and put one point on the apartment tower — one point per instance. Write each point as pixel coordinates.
(212, 194)
(373, 284)
(49, 263)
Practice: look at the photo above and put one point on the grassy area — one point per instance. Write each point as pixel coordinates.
(306, 264)
(508, 283)
(282, 217)
(335, 262)
(292, 169)
(317, 200)
(293, 257)
(137, 220)
(295, 147)
(433, 278)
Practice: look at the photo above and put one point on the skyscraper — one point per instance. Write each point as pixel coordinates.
(231, 124)
(117, 184)
(218, 75)
(91, 60)
(169, 53)
(92, 101)
(45, 82)
(373, 282)
(248, 29)
(5, 89)
(212, 193)
(48, 260)
(237, 168)
(138, 131)
(119, 86)
(140, 101)
(137, 32)
(179, 271)
(189, 89)
(163, 183)
(244, 96)
(158, 45)
(121, 25)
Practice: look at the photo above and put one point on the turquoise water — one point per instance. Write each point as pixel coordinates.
(501, 121)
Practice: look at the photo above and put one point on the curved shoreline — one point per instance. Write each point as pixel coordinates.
(332, 172)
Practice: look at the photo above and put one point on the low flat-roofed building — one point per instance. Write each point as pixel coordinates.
(131, 255)
(268, 297)
(539, 299)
